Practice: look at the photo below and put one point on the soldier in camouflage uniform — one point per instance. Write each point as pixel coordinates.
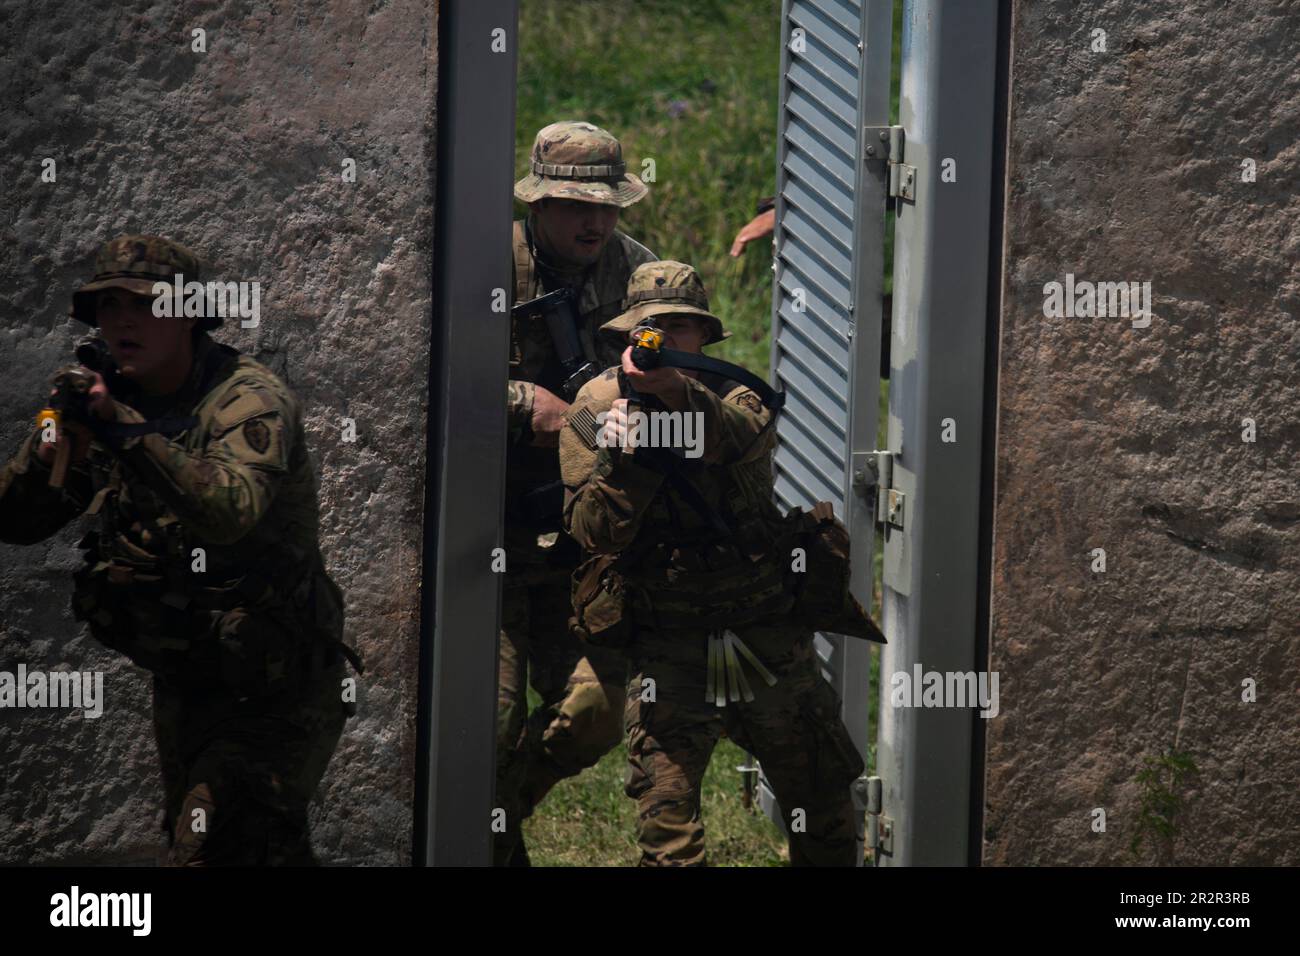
(577, 186)
(686, 581)
(205, 566)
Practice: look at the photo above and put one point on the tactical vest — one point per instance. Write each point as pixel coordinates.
(252, 627)
(533, 357)
(604, 301)
(683, 572)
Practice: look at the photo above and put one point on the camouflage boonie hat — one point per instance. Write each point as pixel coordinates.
(134, 264)
(573, 160)
(665, 288)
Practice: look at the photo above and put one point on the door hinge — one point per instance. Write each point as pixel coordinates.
(886, 143)
(880, 829)
(873, 473)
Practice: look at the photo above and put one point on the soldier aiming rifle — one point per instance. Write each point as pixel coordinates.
(690, 572)
(204, 565)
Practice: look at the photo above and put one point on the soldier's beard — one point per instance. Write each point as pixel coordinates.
(575, 262)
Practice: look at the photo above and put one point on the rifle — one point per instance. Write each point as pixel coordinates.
(540, 506)
(648, 353)
(822, 596)
(560, 310)
(70, 404)
(70, 400)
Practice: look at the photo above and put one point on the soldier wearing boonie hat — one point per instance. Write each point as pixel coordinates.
(579, 161)
(576, 186)
(135, 264)
(688, 576)
(183, 447)
(663, 288)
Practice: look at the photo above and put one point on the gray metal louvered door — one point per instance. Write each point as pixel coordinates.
(829, 265)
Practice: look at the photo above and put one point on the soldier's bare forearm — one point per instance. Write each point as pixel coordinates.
(549, 414)
(519, 411)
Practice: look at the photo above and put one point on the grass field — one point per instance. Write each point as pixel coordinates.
(587, 820)
(692, 86)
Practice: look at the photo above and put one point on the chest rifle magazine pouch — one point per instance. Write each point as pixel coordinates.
(170, 642)
(95, 603)
(600, 607)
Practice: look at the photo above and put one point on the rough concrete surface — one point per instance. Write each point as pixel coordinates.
(238, 152)
(1127, 165)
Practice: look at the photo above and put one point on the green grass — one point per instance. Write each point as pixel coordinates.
(1161, 780)
(692, 85)
(588, 821)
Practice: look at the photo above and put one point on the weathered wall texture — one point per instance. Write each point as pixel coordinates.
(1127, 165)
(238, 152)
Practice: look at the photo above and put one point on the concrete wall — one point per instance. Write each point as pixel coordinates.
(1127, 165)
(238, 153)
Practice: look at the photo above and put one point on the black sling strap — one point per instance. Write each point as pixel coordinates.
(770, 397)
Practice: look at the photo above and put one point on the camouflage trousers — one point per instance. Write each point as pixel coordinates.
(250, 766)
(794, 728)
(580, 718)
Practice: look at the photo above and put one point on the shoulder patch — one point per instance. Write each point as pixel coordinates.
(749, 400)
(242, 405)
(257, 435)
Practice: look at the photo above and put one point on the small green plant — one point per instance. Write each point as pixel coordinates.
(1161, 780)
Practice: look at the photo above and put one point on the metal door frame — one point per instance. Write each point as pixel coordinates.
(942, 271)
(456, 726)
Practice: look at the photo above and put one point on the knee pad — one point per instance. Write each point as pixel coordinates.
(588, 724)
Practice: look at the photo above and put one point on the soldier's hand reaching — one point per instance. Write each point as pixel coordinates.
(764, 224)
(549, 414)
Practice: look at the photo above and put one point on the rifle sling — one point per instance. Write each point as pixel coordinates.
(703, 363)
(118, 431)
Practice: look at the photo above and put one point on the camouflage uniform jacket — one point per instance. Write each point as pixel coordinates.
(601, 289)
(682, 570)
(239, 485)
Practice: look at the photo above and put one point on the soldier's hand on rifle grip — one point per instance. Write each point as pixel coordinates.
(71, 442)
(549, 415)
(101, 402)
(614, 433)
(56, 453)
(667, 383)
